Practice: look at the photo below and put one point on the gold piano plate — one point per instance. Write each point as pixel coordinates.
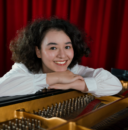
(26, 110)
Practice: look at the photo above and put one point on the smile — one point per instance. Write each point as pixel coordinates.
(60, 63)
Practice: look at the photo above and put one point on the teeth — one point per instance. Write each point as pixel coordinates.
(60, 62)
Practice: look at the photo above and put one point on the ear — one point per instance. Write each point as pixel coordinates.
(38, 52)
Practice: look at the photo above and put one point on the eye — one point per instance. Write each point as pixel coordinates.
(53, 48)
(67, 47)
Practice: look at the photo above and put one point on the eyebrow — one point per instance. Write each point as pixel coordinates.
(52, 43)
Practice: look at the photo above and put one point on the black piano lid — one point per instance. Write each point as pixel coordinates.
(120, 74)
(9, 100)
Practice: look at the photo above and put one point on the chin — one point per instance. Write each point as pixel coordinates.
(62, 70)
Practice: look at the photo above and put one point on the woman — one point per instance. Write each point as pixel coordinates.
(46, 54)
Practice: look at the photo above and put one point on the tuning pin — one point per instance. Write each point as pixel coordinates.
(57, 113)
(72, 101)
(10, 123)
(42, 114)
(92, 97)
(20, 125)
(51, 108)
(58, 109)
(39, 124)
(82, 104)
(85, 103)
(34, 112)
(25, 119)
(72, 105)
(78, 103)
(65, 107)
(15, 125)
(49, 114)
(53, 113)
(3, 126)
(69, 106)
(69, 103)
(89, 98)
(23, 127)
(16, 120)
(22, 122)
(26, 128)
(9, 128)
(66, 104)
(19, 121)
(55, 106)
(6, 126)
(26, 122)
(54, 110)
(62, 107)
(39, 112)
(22, 119)
(33, 127)
(32, 121)
(64, 112)
(47, 110)
(45, 113)
(35, 122)
(29, 126)
(75, 104)
(60, 113)
(43, 109)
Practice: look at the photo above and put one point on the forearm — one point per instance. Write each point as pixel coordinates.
(52, 78)
(62, 77)
(77, 85)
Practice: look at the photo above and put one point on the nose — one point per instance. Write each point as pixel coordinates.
(61, 53)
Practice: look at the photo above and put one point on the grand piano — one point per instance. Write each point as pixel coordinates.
(64, 110)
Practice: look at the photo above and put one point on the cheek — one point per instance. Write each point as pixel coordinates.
(71, 53)
(48, 55)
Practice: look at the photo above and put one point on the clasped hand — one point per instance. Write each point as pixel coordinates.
(68, 80)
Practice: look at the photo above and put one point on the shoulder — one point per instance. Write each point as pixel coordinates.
(20, 67)
(77, 68)
(17, 69)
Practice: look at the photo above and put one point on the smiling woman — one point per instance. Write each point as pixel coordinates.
(56, 51)
(46, 54)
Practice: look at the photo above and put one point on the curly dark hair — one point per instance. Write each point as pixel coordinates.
(23, 46)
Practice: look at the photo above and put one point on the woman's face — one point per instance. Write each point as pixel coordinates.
(56, 51)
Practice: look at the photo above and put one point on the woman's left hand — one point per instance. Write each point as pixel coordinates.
(79, 85)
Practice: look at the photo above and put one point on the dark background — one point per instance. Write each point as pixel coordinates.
(104, 21)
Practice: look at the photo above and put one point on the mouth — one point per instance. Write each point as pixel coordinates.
(61, 63)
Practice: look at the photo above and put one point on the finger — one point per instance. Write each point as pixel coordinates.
(59, 86)
(78, 77)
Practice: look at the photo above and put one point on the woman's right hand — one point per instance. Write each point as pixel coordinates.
(62, 77)
(67, 77)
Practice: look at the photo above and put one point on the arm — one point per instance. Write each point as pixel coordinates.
(19, 81)
(99, 81)
(62, 77)
(79, 85)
